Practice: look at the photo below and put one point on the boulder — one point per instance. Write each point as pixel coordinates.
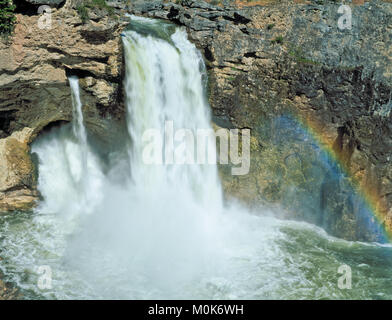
(17, 180)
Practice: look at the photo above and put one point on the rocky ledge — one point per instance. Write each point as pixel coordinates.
(285, 70)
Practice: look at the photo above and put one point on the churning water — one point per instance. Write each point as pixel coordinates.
(136, 231)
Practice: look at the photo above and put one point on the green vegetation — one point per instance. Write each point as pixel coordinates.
(236, 69)
(270, 26)
(298, 54)
(7, 17)
(278, 40)
(83, 13)
(83, 9)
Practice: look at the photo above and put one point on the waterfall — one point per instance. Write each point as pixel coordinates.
(161, 231)
(164, 88)
(156, 229)
(77, 123)
(65, 157)
(162, 228)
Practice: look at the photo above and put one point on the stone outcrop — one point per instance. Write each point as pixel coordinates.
(17, 180)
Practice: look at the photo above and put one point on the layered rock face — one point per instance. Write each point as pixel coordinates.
(286, 71)
(35, 94)
(303, 86)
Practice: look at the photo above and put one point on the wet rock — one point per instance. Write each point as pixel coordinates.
(8, 293)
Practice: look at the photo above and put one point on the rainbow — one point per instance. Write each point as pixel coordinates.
(374, 208)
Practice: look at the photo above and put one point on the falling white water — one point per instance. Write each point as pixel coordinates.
(161, 231)
(154, 233)
(69, 175)
(164, 83)
(77, 124)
